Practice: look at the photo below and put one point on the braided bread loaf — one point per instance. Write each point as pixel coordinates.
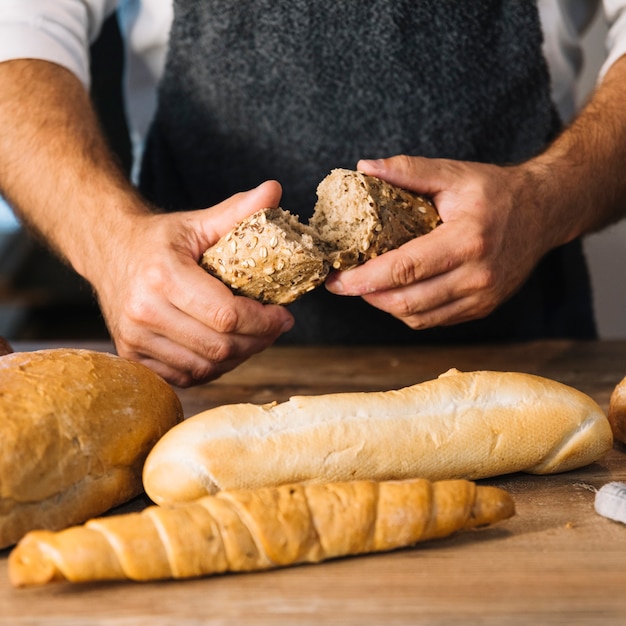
(248, 530)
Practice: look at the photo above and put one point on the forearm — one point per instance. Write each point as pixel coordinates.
(55, 167)
(579, 180)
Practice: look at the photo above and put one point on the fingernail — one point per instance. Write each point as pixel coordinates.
(334, 285)
(373, 164)
(287, 326)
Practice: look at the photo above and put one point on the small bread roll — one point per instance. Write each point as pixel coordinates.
(270, 257)
(617, 411)
(5, 347)
(75, 429)
(273, 258)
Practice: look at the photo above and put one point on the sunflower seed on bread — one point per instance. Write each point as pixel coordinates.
(274, 258)
(270, 257)
(360, 217)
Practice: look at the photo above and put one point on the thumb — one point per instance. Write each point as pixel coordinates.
(419, 174)
(223, 217)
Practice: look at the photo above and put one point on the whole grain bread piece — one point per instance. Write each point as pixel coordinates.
(360, 217)
(270, 257)
(274, 258)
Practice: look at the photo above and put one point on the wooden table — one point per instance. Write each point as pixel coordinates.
(555, 562)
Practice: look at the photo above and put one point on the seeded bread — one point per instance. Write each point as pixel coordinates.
(270, 257)
(360, 217)
(274, 258)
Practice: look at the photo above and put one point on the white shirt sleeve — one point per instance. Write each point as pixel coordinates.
(59, 31)
(615, 12)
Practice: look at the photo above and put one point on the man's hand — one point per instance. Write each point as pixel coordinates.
(160, 306)
(164, 310)
(498, 221)
(487, 245)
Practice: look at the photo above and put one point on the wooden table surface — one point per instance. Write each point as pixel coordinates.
(555, 562)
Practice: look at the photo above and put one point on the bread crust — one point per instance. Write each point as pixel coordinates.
(269, 257)
(359, 217)
(461, 425)
(5, 347)
(254, 530)
(617, 411)
(75, 428)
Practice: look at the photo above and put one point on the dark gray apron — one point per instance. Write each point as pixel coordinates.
(289, 89)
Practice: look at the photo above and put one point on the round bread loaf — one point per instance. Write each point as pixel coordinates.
(617, 411)
(75, 428)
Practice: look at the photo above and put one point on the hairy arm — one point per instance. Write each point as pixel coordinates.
(161, 308)
(581, 175)
(498, 221)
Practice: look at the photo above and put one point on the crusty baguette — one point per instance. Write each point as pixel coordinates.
(257, 530)
(75, 428)
(273, 258)
(460, 425)
(617, 411)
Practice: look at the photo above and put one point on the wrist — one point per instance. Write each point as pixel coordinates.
(98, 239)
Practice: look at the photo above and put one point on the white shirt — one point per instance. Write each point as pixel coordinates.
(62, 30)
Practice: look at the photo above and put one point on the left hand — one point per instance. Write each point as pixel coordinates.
(491, 238)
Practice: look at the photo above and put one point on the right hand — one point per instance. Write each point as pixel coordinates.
(164, 310)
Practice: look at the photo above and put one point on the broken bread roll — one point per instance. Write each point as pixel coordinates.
(270, 257)
(242, 531)
(461, 425)
(75, 429)
(359, 217)
(617, 411)
(274, 258)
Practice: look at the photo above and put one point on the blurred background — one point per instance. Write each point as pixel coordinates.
(40, 298)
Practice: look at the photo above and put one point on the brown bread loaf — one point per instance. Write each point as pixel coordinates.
(242, 531)
(75, 428)
(617, 411)
(5, 347)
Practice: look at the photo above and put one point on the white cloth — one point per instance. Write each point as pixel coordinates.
(61, 31)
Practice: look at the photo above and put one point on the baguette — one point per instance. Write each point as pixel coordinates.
(75, 428)
(242, 531)
(617, 411)
(461, 425)
(274, 258)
